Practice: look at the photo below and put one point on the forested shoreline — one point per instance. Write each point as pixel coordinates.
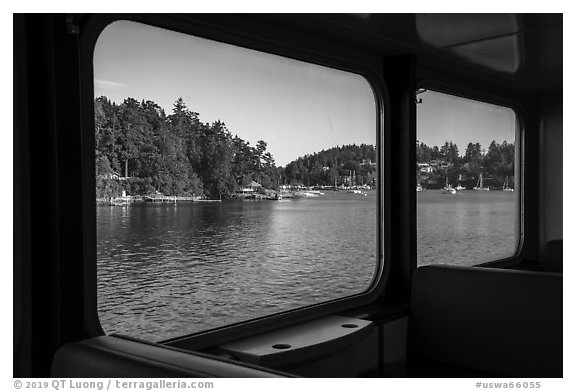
(142, 150)
(174, 154)
(437, 163)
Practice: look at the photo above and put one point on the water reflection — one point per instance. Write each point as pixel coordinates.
(170, 270)
(465, 229)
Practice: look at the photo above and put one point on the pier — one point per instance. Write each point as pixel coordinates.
(161, 198)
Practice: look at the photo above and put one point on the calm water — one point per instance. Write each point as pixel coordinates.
(169, 270)
(467, 228)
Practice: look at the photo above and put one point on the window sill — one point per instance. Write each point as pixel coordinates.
(300, 342)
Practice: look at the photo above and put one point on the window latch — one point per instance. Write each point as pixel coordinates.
(72, 26)
(418, 92)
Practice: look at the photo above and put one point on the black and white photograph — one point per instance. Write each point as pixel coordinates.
(287, 195)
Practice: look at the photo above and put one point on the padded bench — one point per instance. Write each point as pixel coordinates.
(474, 322)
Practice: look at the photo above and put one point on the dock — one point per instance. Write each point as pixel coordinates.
(151, 198)
(161, 198)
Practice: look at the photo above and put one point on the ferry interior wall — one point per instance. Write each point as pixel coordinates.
(501, 318)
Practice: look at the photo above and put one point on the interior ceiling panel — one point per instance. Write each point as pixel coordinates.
(524, 50)
(444, 30)
(490, 41)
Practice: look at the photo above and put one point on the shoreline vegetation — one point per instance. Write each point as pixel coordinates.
(285, 192)
(142, 155)
(439, 166)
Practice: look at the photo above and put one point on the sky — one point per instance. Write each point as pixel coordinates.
(296, 107)
(442, 117)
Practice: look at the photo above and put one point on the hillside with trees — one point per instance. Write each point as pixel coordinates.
(142, 150)
(495, 164)
(337, 165)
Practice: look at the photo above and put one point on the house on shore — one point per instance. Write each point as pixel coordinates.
(253, 188)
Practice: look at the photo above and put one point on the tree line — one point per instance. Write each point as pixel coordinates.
(496, 163)
(338, 165)
(174, 154)
(141, 150)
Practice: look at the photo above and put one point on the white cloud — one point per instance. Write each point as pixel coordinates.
(108, 85)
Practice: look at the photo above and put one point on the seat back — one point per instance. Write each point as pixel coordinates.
(496, 321)
(552, 258)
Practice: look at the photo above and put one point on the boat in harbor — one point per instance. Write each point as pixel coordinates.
(307, 194)
(459, 186)
(161, 198)
(418, 183)
(357, 191)
(480, 185)
(158, 198)
(120, 201)
(448, 189)
(506, 186)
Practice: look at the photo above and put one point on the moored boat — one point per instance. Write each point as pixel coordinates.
(459, 187)
(448, 189)
(480, 185)
(506, 186)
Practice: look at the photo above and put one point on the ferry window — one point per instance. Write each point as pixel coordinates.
(467, 193)
(231, 184)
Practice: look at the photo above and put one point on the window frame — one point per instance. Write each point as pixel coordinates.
(515, 103)
(217, 30)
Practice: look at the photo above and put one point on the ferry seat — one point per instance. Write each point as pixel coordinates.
(552, 258)
(482, 322)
